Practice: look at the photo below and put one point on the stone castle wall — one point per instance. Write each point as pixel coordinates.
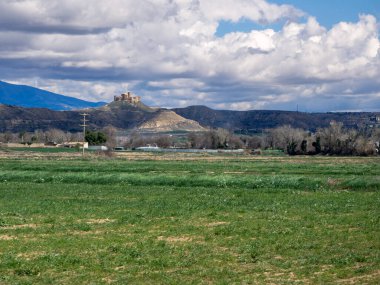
(128, 97)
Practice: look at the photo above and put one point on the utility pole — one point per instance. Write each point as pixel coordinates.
(84, 129)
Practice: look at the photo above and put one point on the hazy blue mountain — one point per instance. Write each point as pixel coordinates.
(27, 96)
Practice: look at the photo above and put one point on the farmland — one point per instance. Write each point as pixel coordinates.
(190, 219)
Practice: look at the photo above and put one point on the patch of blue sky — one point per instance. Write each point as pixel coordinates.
(330, 12)
(327, 12)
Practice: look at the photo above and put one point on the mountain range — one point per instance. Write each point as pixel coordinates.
(31, 97)
(121, 115)
(257, 120)
(16, 116)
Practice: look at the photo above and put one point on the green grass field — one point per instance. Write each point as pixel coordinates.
(265, 220)
(41, 149)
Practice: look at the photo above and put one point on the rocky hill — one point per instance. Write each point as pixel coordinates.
(166, 121)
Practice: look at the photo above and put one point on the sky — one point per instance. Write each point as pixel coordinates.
(317, 56)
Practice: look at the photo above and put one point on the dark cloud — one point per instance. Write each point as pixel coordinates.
(43, 29)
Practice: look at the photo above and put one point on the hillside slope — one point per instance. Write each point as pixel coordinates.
(126, 116)
(27, 96)
(15, 119)
(257, 120)
(120, 115)
(166, 120)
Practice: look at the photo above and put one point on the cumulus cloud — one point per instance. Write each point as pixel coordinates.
(259, 10)
(167, 52)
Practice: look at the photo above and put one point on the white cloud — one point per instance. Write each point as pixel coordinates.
(256, 10)
(167, 51)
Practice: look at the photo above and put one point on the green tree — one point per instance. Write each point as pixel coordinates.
(291, 148)
(95, 138)
(304, 146)
(317, 145)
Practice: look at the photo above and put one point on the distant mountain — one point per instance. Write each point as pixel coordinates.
(27, 96)
(258, 120)
(126, 116)
(120, 115)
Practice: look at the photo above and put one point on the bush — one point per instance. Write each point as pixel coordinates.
(95, 138)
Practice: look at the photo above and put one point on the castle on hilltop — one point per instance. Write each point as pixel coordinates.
(127, 97)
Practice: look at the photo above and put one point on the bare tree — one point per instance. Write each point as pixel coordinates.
(287, 138)
(332, 138)
(111, 134)
(254, 142)
(76, 137)
(364, 146)
(375, 137)
(39, 136)
(134, 140)
(200, 140)
(235, 142)
(55, 135)
(164, 141)
(222, 138)
(214, 139)
(339, 141)
(7, 137)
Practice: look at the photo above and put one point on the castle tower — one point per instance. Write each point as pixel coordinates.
(128, 97)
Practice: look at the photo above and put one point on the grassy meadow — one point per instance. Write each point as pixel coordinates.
(197, 220)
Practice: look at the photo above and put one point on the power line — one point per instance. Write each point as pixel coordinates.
(84, 129)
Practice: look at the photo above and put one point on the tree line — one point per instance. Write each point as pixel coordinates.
(332, 140)
(39, 136)
(105, 135)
